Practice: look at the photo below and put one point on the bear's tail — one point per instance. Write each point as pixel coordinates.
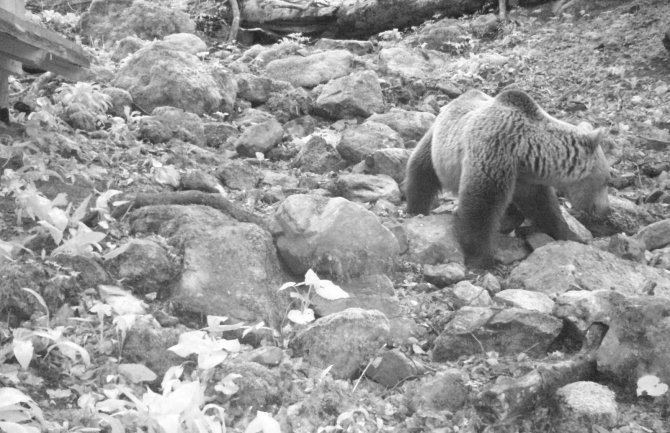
(421, 181)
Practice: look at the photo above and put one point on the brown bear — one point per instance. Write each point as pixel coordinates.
(503, 150)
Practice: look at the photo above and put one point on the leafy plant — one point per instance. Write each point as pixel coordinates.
(19, 413)
(303, 293)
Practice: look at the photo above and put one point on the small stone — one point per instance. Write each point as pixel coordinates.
(465, 293)
(444, 274)
(259, 138)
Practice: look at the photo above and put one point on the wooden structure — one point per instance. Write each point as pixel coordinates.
(25, 43)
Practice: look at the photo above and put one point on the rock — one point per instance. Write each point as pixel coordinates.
(537, 240)
(358, 48)
(259, 138)
(579, 309)
(261, 55)
(412, 63)
(581, 405)
(444, 274)
(260, 388)
(431, 240)
(112, 20)
(120, 100)
(356, 95)
(627, 248)
(157, 75)
(411, 125)
(253, 88)
(87, 270)
(219, 134)
(576, 226)
(484, 26)
(318, 156)
(127, 46)
(366, 187)
(448, 35)
(491, 283)
(637, 342)
(446, 390)
(465, 293)
(456, 338)
(656, 235)
(144, 266)
(335, 237)
(661, 258)
(269, 356)
(218, 252)
(187, 42)
(390, 162)
(198, 180)
(311, 70)
(509, 332)
(525, 299)
(300, 127)
(147, 343)
(287, 102)
(366, 332)
(562, 266)
(280, 179)
(392, 368)
(362, 140)
(166, 123)
(252, 116)
(510, 249)
(239, 174)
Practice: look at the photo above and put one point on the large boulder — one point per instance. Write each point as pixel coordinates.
(333, 236)
(228, 268)
(158, 75)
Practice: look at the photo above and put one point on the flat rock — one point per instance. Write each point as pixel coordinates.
(367, 187)
(525, 299)
(465, 293)
(411, 63)
(562, 266)
(311, 70)
(366, 332)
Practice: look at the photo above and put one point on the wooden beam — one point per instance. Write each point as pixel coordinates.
(31, 44)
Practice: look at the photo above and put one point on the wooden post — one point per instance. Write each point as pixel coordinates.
(502, 10)
(17, 7)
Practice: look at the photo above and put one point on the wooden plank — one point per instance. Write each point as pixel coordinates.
(29, 43)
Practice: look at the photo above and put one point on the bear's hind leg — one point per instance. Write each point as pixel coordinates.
(421, 181)
(540, 204)
(482, 201)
